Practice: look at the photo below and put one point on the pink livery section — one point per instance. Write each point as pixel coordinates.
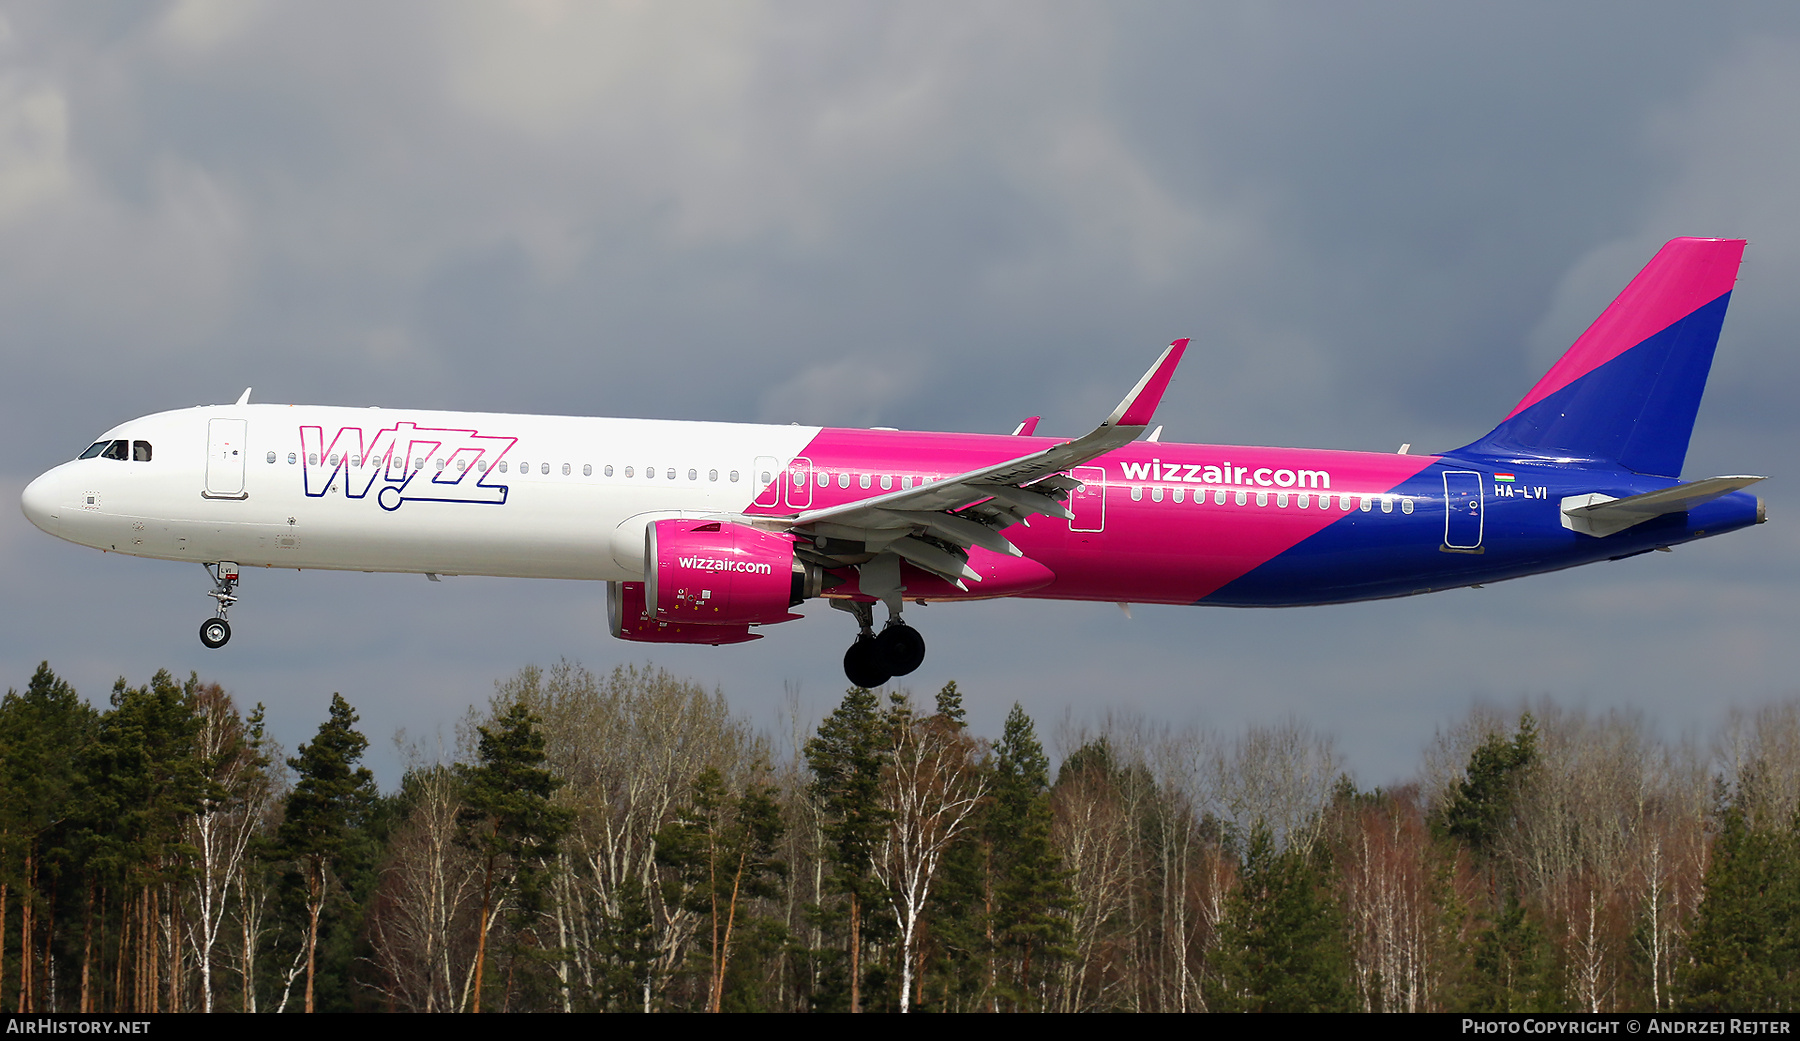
(1150, 522)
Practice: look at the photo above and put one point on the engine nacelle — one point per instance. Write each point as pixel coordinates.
(719, 573)
(625, 616)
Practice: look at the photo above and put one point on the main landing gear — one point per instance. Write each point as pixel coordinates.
(216, 632)
(873, 660)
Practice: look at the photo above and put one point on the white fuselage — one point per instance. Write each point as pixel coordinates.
(374, 489)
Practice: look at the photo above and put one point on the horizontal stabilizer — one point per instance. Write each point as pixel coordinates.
(1602, 515)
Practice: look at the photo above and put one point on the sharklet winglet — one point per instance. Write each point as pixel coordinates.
(1140, 405)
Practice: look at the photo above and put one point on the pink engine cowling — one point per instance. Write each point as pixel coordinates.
(629, 621)
(719, 573)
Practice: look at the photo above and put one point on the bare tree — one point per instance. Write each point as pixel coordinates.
(233, 808)
(933, 781)
(1280, 776)
(422, 925)
(1387, 879)
(627, 750)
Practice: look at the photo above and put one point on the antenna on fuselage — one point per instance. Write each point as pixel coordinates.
(244, 398)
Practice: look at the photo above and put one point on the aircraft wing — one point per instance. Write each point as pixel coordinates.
(934, 525)
(1602, 515)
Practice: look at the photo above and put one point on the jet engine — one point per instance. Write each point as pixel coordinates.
(626, 617)
(720, 573)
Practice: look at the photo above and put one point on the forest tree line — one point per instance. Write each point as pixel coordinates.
(625, 843)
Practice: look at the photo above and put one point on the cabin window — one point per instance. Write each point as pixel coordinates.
(1387, 504)
(650, 472)
(481, 465)
(502, 466)
(1281, 500)
(628, 471)
(567, 469)
(693, 475)
(312, 459)
(608, 470)
(140, 451)
(587, 469)
(1367, 503)
(1243, 498)
(766, 477)
(824, 479)
(440, 464)
(1262, 498)
(331, 460)
(844, 479)
(1156, 494)
(1406, 505)
(864, 480)
(271, 457)
(1219, 497)
(1179, 492)
(734, 476)
(1344, 502)
(712, 475)
(887, 482)
(544, 468)
(1137, 493)
(293, 458)
(1303, 501)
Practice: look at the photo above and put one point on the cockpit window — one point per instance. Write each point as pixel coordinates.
(138, 451)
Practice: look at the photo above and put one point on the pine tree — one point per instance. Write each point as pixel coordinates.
(846, 758)
(1745, 942)
(509, 820)
(1482, 805)
(950, 705)
(723, 847)
(331, 795)
(44, 733)
(1030, 890)
(1513, 966)
(1283, 946)
(145, 782)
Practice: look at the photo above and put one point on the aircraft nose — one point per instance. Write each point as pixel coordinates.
(41, 502)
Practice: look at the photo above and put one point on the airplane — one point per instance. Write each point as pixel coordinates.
(706, 531)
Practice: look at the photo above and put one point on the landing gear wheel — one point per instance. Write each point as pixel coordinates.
(901, 647)
(215, 632)
(865, 664)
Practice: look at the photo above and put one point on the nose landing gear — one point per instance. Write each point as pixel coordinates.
(216, 632)
(873, 660)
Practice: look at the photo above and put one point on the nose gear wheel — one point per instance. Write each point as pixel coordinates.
(216, 632)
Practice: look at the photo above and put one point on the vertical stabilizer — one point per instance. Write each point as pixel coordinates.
(1627, 392)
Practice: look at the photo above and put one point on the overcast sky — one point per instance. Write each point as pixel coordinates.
(1380, 223)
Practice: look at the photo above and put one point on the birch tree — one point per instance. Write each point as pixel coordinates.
(932, 782)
